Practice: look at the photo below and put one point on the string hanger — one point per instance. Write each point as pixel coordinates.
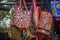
(46, 5)
(44, 8)
(54, 5)
(22, 4)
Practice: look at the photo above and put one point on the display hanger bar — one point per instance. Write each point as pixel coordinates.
(8, 3)
(4, 8)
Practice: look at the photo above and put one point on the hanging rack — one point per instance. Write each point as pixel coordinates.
(8, 2)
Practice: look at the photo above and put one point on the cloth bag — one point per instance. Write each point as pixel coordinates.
(55, 5)
(21, 18)
(45, 23)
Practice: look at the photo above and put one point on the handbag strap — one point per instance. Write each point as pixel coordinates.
(54, 2)
(24, 3)
(36, 13)
(34, 5)
(54, 5)
(20, 3)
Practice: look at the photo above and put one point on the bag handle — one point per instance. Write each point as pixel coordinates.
(54, 5)
(36, 14)
(34, 4)
(54, 2)
(20, 3)
(25, 5)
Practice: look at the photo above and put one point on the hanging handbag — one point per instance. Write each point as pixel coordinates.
(55, 5)
(45, 23)
(21, 18)
(31, 30)
(27, 15)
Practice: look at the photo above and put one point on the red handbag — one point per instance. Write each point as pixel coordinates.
(45, 23)
(21, 18)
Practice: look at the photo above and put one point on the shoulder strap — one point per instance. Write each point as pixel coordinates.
(55, 5)
(25, 5)
(34, 4)
(36, 14)
(20, 3)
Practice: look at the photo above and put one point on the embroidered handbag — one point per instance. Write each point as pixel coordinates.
(21, 18)
(45, 23)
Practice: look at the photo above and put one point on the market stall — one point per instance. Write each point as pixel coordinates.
(30, 19)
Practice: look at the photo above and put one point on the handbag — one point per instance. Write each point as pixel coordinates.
(45, 23)
(55, 5)
(31, 30)
(25, 15)
(21, 18)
